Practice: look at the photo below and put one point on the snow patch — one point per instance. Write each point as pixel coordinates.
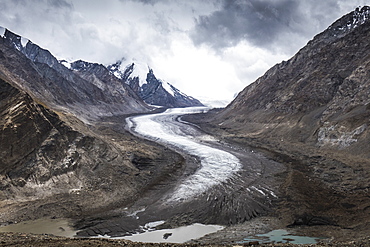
(2, 31)
(134, 214)
(66, 64)
(12, 109)
(117, 74)
(258, 190)
(168, 88)
(359, 17)
(140, 70)
(153, 224)
(24, 41)
(214, 103)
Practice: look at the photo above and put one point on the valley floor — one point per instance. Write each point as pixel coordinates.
(243, 203)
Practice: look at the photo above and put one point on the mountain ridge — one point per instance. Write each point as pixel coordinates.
(44, 77)
(150, 89)
(154, 93)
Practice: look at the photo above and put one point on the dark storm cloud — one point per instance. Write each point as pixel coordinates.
(262, 23)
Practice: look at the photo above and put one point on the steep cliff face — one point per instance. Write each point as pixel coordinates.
(319, 96)
(41, 155)
(117, 94)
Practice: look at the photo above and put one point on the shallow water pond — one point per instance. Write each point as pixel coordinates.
(282, 236)
(57, 227)
(177, 235)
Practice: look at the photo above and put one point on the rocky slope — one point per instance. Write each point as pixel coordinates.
(44, 158)
(318, 98)
(321, 93)
(150, 89)
(52, 164)
(312, 112)
(88, 96)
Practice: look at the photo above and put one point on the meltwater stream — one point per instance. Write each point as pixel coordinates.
(217, 166)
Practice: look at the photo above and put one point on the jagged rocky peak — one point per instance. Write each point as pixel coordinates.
(115, 69)
(88, 67)
(352, 20)
(32, 51)
(141, 78)
(346, 24)
(81, 65)
(13, 39)
(131, 71)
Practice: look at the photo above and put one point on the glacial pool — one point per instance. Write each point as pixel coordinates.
(57, 227)
(176, 235)
(282, 236)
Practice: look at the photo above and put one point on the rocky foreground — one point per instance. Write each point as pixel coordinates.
(21, 239)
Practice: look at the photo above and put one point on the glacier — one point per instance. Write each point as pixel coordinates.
(216, 166)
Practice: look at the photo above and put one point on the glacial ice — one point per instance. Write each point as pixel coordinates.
(217, 166)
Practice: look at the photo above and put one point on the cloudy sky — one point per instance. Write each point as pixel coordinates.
(206, 48)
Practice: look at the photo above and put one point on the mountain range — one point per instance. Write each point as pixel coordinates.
(63, 144)
(151, 90)
(81, 85)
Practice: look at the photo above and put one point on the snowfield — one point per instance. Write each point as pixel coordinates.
(217, 166)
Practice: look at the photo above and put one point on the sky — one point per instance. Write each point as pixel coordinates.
(209, 49)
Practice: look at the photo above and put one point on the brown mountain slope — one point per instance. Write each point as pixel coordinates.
(312, 112)
(55, 166)
(325, 85)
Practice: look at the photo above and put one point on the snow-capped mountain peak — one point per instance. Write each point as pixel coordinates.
(140, 71)
(361, 15)
(350, 21)
(17, 41)
(130, 71)
(140, 77)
